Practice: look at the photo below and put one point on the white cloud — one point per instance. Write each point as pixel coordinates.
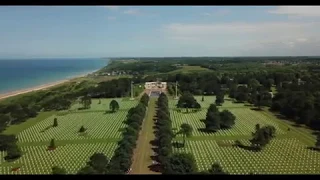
(111, 18)
(132, 12)
(114, 8)
(266, 38)
(305, 11)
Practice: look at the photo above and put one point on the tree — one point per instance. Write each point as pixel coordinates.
(52, 144)
(6, 141)
(87, 170)
(212, 121)
(227, 119)
(58, 170)
(253, 84)
(216, 169)
(82, 129)
(261, 99)
(114, 106)
(86, 101)
(55, 122)
(212, 108)
(197, 106)
(262, 136)
(186, 131)
(219, 99)
(318, 142)
(180, 163)
(99, 163)
(4, 120)
(186, 101)
(13, 152)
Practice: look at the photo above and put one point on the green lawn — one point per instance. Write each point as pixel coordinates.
(188, 69)
(284, 155)
(103, 130)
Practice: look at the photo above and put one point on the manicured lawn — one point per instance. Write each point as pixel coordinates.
(98, 124)
(103, 130)
(288, 153)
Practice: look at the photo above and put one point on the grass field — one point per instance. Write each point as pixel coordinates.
(286, 154)
(188, 69)
(124, 104)
(73, 149)
(274, 159)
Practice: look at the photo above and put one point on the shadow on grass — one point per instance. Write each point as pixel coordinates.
(11, 159)
(154, 158)
(121, 129)
(155, 149)
(47, 128)
(155, 167)
(316, 133)
(248, 148)
(205, 131)
(238, 102)
(256, 109)
(83, 134)
(109, 112)
(154, 143)
(281, 116)
(313, 148)
(297, 125)
(177, 145)
(248, 105)
(82, 108)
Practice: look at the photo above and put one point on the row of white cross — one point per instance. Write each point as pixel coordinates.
(272, 159)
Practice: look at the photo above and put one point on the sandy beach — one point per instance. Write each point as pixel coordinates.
(41, 87)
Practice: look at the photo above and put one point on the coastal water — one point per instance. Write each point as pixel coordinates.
(27, 73)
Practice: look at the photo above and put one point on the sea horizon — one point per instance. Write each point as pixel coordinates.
(22, 74)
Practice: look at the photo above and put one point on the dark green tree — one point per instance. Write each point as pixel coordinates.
(86, 102)
(186, 131)
(59, 171)
(216, 169)
(99, 162)
(227, 119)
(180, 163)
(212, 121)
(52, 144)
(13, 152)
(219, 99)
(55, 122)
(262, 136)
(318, 142)
(114, 106)
(82, 129)
(87, 170)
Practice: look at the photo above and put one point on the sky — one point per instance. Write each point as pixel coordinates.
(158, 31)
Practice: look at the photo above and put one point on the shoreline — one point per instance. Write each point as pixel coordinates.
(42, 87)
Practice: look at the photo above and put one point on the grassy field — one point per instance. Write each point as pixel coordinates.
(73, 149)
(188, 69)
(288, 153)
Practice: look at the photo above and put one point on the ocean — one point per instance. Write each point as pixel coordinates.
(27, 73)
